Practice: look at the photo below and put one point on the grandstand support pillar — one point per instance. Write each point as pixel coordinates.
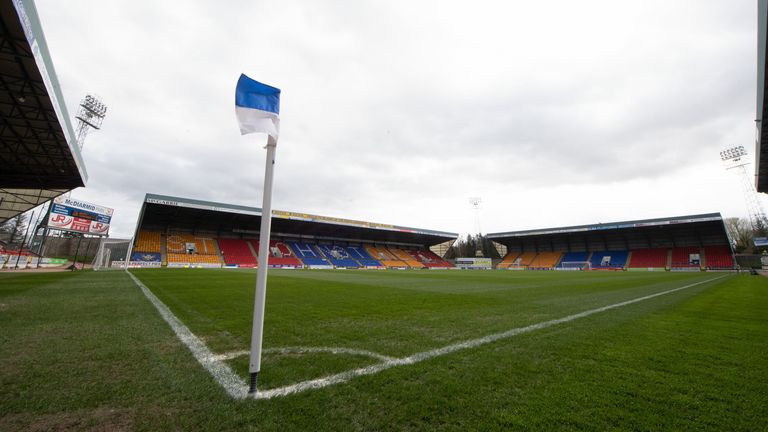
(77, 252)
(261, 274)
(44, 223)
(23, 240)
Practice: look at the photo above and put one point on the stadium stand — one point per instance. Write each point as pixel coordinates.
(405, 257)
(718, 257)
(385, 257)
(237, 252)
(308, 254)
(338, 256)
(280, 255)
(508, 260)
(570, 257)
(429, 259)
(545, 260)
(615, 259)
(148, 241)
(686, 257)
(649, 258)
(359, 254)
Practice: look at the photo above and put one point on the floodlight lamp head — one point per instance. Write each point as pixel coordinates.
(734, 157)
(733, 153)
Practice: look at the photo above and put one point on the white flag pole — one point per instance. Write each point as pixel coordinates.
(261, 274)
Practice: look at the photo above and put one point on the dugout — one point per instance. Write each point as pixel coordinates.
(39, 154)
(220, 220)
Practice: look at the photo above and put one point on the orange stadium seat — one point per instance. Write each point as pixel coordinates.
(508, 260)
(205, 251)
(524, 260)
(545, 260)
(148, 241)
(385, 257)
(405, 257)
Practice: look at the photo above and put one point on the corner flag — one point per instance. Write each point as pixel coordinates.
(257, 107)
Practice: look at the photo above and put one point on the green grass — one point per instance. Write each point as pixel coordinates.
(86, 350)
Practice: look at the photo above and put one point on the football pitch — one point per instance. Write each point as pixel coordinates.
(409, 350)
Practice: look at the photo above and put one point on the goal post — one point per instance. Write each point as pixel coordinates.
(574, 265)
(112, 254)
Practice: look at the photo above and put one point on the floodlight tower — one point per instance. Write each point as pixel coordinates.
(735, 159)
(89, 116)
(475, 203)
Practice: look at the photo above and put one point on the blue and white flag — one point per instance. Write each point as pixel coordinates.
(257, 107)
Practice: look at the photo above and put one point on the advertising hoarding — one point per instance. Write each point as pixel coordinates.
(70, 214)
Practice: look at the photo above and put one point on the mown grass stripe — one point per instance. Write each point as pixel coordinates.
(473, 343)
(223, 374)
(237, 388)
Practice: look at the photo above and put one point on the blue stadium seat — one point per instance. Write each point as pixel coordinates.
(359, 254)
(308, 254)
(338, 256)
(573, 257)
(609, 259)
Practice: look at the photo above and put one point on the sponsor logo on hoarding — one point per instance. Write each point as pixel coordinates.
(69, 214)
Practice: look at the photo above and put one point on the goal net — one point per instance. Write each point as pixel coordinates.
(112, 254)
(575, 265)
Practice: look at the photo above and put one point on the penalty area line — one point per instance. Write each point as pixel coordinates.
(472, 343)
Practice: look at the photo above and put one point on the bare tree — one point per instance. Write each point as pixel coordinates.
(12, 230)
(470, 245)
(740, 232)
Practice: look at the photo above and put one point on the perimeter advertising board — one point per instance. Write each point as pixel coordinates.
(70, 214)
(474, 263)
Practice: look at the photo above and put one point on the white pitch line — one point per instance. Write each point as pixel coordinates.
(332, 350)
(223, 374)
(230, 355)
(472, 343)
(304, 350)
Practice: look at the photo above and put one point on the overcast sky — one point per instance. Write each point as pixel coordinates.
(553, 112)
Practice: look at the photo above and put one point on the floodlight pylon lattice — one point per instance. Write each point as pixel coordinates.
(735, 159)
(90, 116)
